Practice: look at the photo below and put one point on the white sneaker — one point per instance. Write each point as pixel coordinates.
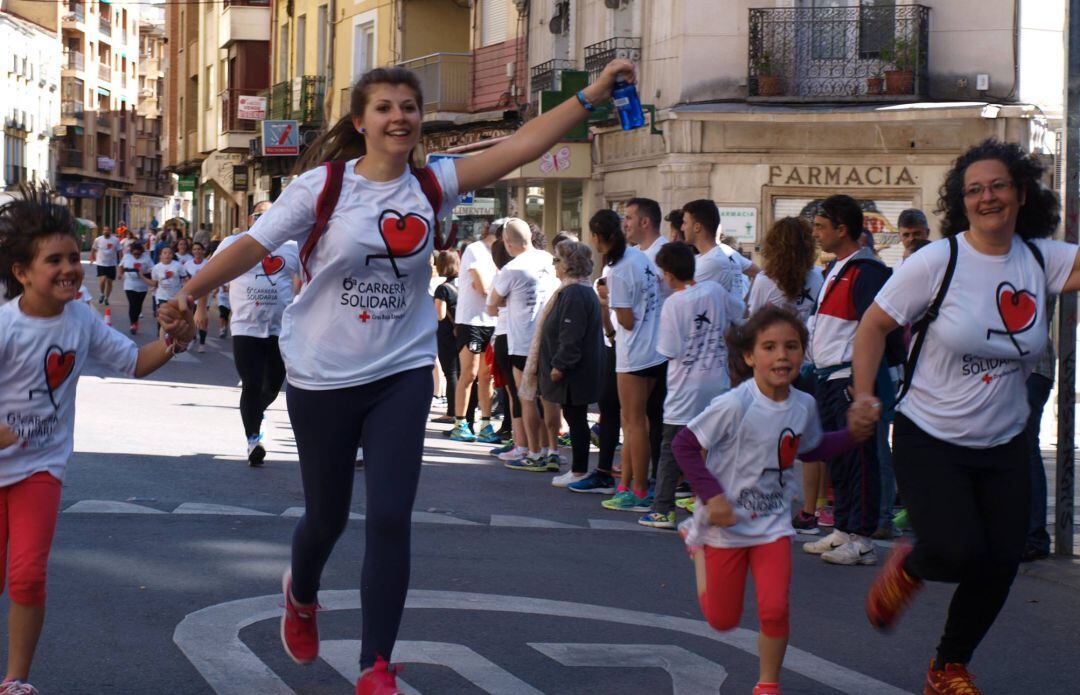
(859, 550)
(202, 348)
(823, 545)
(256, 451)
(518, 452)
(566, 478)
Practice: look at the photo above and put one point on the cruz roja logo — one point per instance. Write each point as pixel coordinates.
(210, 639)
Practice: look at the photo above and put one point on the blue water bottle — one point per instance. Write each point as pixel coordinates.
(628, 105)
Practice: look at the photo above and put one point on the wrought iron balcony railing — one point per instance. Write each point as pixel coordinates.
(860, 53)
(71, 158)
(230, 102)
(280, 104)
(544, 77)
(444, 77)
(310, 109)
(600, 54)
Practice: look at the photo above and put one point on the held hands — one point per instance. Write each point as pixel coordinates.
(175, 319)
(863, 415)
(556, 375)
(721, 513)
(7, 437)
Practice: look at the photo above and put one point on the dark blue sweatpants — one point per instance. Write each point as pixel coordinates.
(388, 418)
(855, 475)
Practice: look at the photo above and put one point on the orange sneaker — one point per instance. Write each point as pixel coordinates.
(893, 589)
(954, 680)
(380, 679)
(767, 689)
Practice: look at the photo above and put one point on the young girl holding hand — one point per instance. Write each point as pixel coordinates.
(745, 488)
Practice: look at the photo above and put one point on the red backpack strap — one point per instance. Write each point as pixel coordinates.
(324, 208)
(429, 184)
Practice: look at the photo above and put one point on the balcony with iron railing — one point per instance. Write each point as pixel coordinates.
(444, 78)
(74, 60)
(104, 72)
(72, 109)
(104, 120)
(598, 55)
(309, 111)
(72, 158)
(105, 26)
(75, 12)
(230, 102)
(860, 53)
(279, 106)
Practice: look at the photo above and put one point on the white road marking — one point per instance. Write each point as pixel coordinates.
(509, 520)
(341, 655)
(609, 525)
(210, 638)
(690, 674)
(432, 518)
(109, 507)
(216, 509)
(297, 512)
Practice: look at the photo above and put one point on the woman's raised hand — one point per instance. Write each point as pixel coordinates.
(621, 69)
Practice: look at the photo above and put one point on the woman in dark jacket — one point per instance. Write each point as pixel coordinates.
(570, 354)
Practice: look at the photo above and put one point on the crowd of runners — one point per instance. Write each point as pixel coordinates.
(702, 378)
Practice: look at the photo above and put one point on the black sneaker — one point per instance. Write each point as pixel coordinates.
(806, 524)
(682, 490)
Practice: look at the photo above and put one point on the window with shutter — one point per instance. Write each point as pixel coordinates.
(493, 22)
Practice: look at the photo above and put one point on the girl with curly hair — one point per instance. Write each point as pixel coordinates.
(959, 445)
(790, 279)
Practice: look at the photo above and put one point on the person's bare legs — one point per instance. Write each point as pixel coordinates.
(530, 418)
(770, 657)
(470, 363)
(633, 397)
(484, 386)
(552, 423)
(24, 629)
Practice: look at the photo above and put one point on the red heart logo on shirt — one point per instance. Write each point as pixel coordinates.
(272, 264)
(138, 267)
(1018, 308)
(787, 448)
(58, 366)
(168, 274)
(403, 235)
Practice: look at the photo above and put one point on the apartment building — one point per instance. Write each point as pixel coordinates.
(218, 57)
(99, 94)
(30, 82)
(768, 106)
(152, 185)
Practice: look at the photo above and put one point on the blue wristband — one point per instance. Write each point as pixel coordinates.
(585, 102)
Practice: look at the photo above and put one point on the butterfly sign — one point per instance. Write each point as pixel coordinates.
(557, 161)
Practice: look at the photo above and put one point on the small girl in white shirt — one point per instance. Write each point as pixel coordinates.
(46, 337)
(745, 488)
(165, 278)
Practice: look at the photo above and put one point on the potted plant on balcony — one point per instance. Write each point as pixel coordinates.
(875, 83)
(768, 75)
(903, 55)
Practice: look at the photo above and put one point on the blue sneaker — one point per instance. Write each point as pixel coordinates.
(509, 446)
(626, 501)
(597, 482)
(462, 433)
(533, 465)
(487, 435)
(658, 520)
(564, 439)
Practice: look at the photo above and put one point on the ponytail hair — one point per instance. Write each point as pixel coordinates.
(741, 339)
(342, 141)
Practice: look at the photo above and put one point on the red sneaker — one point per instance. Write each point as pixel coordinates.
(767, 689)
(954, 680)
(893, 589)
(380, 679)
(299, 631)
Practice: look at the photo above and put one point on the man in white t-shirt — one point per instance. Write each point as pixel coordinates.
(474, 328)
(105, 255)
(642, 228)
(524, 286)
(701, 223)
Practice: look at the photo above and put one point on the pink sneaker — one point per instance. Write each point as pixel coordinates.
(767, 689)
(825, 517)
(299, 631)
(380, 679)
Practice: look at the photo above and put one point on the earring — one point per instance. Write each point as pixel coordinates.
(363, 130)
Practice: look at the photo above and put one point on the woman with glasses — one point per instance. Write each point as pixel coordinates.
(959, 448)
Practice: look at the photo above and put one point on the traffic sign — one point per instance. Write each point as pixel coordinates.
(280, 138)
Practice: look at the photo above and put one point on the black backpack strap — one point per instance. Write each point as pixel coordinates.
(920, 327)
(1037, 253)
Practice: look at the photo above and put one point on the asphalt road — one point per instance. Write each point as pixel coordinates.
(165, 577)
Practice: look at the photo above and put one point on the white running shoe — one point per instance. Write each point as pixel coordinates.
(202, 348)
(823, 545)
(859, 550)
(256, 451)
(518, 452)
(566, 478)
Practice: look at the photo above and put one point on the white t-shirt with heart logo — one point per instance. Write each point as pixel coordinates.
(365, 313)
(134, 269)
(167, 276)
(42, 359)
(258, 297)
(753, 442)
(106, 251)
(969, 384)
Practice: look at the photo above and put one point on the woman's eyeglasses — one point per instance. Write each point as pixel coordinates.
(998, 187)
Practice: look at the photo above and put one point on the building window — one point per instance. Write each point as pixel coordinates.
(320, 41)
(207, 94)
(14, 159)
(493, 20)
(829, 40)
(877, 26)
(301, 44)
(363, 48)
(283, 54)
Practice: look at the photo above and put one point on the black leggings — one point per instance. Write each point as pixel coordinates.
(969, 510)
(577, 418)
(654, 409)
(610, 414)
(329, 425)
(135, 303)
(258, 362)
(450, 364)
(506, 367)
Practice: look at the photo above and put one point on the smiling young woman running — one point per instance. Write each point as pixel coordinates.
(359, 341)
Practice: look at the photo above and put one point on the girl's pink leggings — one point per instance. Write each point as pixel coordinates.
(725, 571)
(28, 512)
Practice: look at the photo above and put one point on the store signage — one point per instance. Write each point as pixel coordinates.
(187, 182)
(480, 207)
(251, 108)
(739, 223)
(106, 164)
(280, 138)
(81, 189)
(239, 177)
(840, 176)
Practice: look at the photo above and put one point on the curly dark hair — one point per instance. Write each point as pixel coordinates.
(741, 339)
(24, 222)
(1039, 215)
(789, 253)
